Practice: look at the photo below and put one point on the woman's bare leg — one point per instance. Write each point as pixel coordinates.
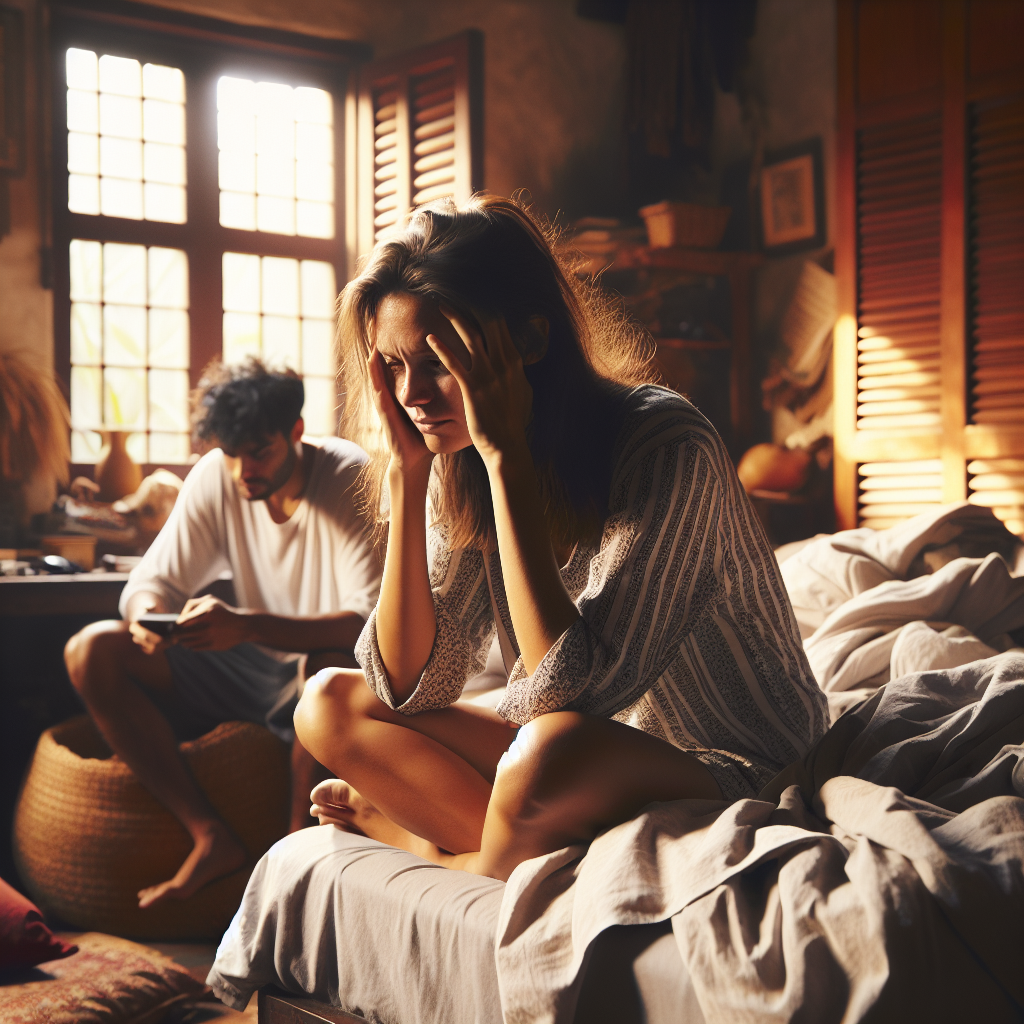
(430, 774)
(567, 777)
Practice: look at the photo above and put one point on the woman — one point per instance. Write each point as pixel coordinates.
(595, 521)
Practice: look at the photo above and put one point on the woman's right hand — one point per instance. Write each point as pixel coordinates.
(409, 451)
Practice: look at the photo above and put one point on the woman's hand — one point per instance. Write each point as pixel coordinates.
(495, 392)
(408, 449)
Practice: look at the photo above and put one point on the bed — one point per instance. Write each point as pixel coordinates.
(880, 878)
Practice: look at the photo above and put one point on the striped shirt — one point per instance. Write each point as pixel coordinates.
(685, 630)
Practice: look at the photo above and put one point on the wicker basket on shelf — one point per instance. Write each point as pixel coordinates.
(88, 836)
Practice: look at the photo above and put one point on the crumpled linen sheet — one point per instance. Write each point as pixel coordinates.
(935, 592)
(879, 879)
(374, 930)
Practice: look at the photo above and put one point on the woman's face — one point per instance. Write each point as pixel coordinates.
(428, 393)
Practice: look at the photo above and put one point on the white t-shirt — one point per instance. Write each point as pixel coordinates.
(321, 560)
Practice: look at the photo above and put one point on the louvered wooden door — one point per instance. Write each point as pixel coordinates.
(420, 132)
(929, 347)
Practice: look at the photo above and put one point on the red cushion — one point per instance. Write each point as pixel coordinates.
(24, 938)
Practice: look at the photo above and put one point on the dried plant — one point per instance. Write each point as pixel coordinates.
(34, 423)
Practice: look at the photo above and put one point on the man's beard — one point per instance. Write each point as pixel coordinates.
(260, 489)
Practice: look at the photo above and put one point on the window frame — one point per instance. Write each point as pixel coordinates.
(204, 49)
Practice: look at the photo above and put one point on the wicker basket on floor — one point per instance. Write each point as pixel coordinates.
(88, 836)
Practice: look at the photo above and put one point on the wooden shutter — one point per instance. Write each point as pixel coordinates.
(929, 347)
(996, 311)
(420, 132)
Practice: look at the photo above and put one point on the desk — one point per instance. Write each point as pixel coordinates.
(92, 593)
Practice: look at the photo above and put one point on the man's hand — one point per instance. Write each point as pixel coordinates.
(150, 642)
(208, 624)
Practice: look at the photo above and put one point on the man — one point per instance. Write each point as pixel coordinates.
(280, 514)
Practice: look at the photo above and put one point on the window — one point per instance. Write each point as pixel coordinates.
(202, 172)
(195, 215)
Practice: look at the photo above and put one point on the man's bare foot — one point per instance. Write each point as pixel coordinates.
(217, 852)
(337, 803)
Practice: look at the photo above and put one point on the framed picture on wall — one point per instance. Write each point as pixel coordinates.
(792, 199)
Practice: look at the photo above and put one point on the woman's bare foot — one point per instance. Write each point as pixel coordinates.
(217, 852)
(337, 803)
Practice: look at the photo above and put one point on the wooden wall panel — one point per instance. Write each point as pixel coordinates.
(899, 51)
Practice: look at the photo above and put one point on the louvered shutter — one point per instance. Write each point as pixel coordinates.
(899, 382)
(996, 311)
(419, 134)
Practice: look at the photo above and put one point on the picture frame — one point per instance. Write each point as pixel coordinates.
(791, 199)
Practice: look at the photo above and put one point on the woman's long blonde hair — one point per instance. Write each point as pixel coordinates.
(492, 257)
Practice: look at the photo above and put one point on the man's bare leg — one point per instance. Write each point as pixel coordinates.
(307, 771)
(106, 668)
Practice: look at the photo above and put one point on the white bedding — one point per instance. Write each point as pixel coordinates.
(881, 878)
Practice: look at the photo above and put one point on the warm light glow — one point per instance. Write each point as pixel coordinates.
(276, 158)
(282, 310)
(126, 138)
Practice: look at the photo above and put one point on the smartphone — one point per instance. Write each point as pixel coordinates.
(161, 623)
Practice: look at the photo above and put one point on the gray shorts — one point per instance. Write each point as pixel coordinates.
(242, 684)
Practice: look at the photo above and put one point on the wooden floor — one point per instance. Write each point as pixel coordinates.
(197, 958)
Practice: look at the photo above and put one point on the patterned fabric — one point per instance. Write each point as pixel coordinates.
(685, 628)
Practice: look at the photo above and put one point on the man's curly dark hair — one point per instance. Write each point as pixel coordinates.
(245, 403)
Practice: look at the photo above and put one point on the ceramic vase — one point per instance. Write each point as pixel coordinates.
(116, 474)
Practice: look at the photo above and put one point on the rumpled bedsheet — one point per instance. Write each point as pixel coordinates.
(938, 591)
(879, 879)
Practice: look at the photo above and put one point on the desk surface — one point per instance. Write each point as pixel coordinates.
(92, 593)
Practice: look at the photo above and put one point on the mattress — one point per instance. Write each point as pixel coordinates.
(394, 939)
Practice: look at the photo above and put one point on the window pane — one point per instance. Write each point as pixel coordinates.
(124, 398)
(168, 400)
(315, 220)
(314, 142)
(163, 83)
(314, 181)
(86, 334)
(121, 198)
(120, 116)
(281, 341)
(275, 215)
(280, 292)
(237, 172)
(241, 282)
(83, 153)
(163, 122)
(168, 278)
(320, 410)
(120, 75)
(86, 396)
(164, 163)
(82, 71)
(241, 336)
(317, 347)
(236, 133)
(124, 274)
(83, 111)
(318, 289)
(86, 263)
(83, 193)
(275, 176)
(165, 203)
(85, 445)
(238, 211)
(124, 336)
(314, 106)
(168, 339)
(172, 449)
(235, 95)
(137, 449)
(121, 158)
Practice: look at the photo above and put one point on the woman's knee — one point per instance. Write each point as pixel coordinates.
(332, 700)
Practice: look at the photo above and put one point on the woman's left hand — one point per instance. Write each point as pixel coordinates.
(496, 394)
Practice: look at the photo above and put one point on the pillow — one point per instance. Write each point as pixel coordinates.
(108, 981)
(24, 938)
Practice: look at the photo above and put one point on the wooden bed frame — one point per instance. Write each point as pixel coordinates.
(277, 1007)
